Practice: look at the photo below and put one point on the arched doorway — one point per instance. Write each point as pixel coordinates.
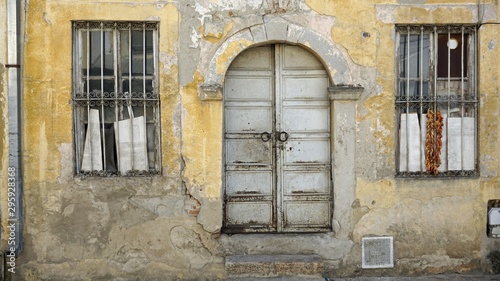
(277, 170)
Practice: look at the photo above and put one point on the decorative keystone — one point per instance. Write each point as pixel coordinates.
(210, 92)
(345, 92)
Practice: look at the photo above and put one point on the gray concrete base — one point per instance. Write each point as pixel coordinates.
(274, 266)
(282, 278)
(454, 277)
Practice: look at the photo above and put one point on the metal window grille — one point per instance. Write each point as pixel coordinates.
(436, 101)
(116, 99)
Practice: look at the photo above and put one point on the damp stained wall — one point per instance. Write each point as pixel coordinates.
(168, 227)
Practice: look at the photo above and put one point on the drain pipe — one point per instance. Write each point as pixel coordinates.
(14, 199)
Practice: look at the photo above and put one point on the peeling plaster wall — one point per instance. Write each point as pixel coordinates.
(168, 227)
(489, 100)
(104, 227)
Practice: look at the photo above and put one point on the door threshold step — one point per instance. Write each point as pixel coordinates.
(279, 278)
(279, 266)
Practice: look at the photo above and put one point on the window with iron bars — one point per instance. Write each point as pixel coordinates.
(436, 101)
(116, 98)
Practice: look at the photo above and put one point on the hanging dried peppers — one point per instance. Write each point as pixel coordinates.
(433, 141)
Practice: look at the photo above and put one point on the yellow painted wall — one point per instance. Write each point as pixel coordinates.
(45, 91)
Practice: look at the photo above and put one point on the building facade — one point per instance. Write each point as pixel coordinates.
(159, 140)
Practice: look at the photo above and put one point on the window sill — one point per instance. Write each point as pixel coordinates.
(116, 174)
(441, 175)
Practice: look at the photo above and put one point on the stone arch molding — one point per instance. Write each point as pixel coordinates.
(275, 30)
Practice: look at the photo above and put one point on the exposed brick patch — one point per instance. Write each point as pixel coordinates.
(192, 206)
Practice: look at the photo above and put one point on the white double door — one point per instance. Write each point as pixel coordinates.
(277, 142)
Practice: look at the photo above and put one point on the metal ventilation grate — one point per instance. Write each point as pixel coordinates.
(377, 252)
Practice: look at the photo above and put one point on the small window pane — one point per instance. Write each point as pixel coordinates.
(95, 86)
(414, 56)
(124, 52)
(152, 153)
(458, 58)
(403, 61)
(411, 90)
(95, 52)
(138, 86)
(137, 53)
(98, 50)
(426, 53)
(84, 52)
(110, 147)
(108, 57)
(132, 46)
(149, 52)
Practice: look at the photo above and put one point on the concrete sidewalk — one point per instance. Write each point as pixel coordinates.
(457, 277)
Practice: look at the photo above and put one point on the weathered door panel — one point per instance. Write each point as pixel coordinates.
(255, 214)
(277, 142)
(297, 85)
(306, 182)
(304, 161)
(248, 152)
(303, 119)
(245, 182)
(256, 59)
(248, 119)
(307, 151)
(306, 215)
(298, 58)
(249, 156)
(243, 87)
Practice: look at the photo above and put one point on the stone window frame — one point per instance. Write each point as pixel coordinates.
(436, 126)
(117, 103)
